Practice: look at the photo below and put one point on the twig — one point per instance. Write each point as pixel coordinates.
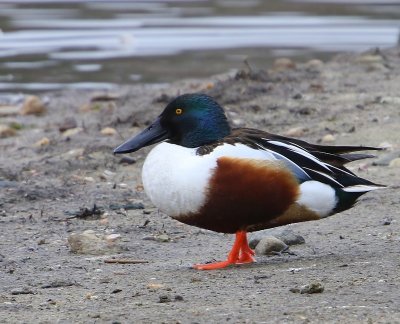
(125, 261)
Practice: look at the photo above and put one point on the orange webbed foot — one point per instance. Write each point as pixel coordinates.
(212, 266)
(241, 253)
(246, 258)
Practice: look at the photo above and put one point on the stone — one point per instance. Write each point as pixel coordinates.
(298, 96)
(163, 238)
(89, 242)
(127, 160)
(314, 65)
(22, 291)
(270, 245)
(283, 63)
(68, 123)
(290, 238)
(155, 286)
(386, 145)
(72, 132)
(395, 163)
(386, 159)
(107, 175)
(73, 154)
(164, 299)
(387, 221)
(328, 138)
(296, 131)
(42, 142)
(312, 288)
(6, 131)
(286, 235)
(33, 105)
(58, 283)
(112, 237)
(108, 131)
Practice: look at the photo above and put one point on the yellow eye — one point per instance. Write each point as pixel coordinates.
(178, 111)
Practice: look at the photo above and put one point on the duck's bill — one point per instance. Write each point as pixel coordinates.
(153, 134)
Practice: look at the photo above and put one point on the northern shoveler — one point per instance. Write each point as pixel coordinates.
(206, 174)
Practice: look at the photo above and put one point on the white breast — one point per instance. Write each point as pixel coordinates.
(176, 179)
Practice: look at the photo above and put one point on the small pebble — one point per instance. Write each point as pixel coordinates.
(387, 221)
(296, 131)
(286, 235)
(72, 132)
(312, 288)
(395, 163)
(6, 131)
(41, 241)
(129, 206)
(162, 238)
(314, 65)
(33, 105)
(68, 123)
(386, 145)
(270, 245)
(297, 96)
(112, 237)
(107, 175)
(89, 242)
(164, 299)
(58, 284)
(22, 291)
(283, 63)
(328, 138)
(104, 97)
(75, 153)
(386, 158)
(127, 160)
(155, 286)
(108, 131)
(42, 142)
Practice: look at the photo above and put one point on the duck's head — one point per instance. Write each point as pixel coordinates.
(190, 120)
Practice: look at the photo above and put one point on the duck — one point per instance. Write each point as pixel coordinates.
(204, 173)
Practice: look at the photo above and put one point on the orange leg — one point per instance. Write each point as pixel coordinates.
(240, 253)
(246, 255)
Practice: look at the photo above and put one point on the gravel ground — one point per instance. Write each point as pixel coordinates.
(60, 184)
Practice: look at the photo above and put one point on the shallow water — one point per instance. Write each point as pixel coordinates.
(54, 44)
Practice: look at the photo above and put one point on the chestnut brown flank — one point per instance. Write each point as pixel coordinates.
(245, 192)
(294, 214)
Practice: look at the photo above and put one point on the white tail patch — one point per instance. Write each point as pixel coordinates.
(361, 188)
(318, 197)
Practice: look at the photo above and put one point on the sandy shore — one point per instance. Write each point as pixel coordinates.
(56, 164)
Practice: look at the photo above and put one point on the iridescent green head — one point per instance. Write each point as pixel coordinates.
(190, 120)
